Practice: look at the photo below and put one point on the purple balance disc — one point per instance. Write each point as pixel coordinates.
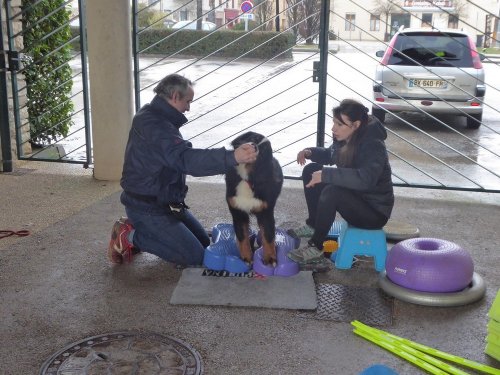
(285, 267)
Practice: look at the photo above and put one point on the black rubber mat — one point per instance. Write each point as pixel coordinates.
(343, 303)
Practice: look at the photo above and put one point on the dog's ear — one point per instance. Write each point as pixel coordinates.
(265, 151)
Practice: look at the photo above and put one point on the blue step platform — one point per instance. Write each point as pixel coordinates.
(364, 242)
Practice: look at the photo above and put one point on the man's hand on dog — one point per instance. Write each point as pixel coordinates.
(246, 153)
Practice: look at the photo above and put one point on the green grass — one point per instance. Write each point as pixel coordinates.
(306, 46)
(490, 50)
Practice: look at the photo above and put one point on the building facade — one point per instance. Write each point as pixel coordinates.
(379, 20)
(367, 19)
(219, 12)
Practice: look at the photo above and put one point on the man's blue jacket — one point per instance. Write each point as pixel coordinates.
(157, 159)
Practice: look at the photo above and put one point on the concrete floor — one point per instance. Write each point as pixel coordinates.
(57, 286)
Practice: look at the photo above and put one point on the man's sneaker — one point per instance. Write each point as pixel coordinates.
(306, 254)
(119, 245)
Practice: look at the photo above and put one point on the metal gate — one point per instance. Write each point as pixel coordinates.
(289, 99)
(283, 89)
(47, 75)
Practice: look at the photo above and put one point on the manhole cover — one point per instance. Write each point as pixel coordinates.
(125, 353)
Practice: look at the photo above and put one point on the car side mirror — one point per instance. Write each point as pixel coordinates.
(379, 53)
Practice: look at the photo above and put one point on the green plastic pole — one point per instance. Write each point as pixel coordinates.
(426, 349)
(425, 357)
(401, 353)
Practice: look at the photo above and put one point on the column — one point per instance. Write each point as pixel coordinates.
(110, 80)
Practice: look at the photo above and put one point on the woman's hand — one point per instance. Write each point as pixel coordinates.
(303, 155)
(315, 179)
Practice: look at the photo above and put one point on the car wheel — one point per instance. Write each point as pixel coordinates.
(378, 113)
(474, 121)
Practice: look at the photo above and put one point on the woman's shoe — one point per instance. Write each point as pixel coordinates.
(304, 232)
(306, 254)
(323, 265)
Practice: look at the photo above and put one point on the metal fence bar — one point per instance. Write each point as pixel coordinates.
(4, 107)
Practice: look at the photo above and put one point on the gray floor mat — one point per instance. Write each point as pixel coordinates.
(294, 292)
(343, 303)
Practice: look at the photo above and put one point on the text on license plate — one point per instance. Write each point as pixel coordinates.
(431, 83)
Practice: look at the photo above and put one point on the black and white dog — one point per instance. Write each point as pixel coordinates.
(254, 188)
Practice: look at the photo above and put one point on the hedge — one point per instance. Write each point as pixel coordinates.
(47, 70)
(222, 43)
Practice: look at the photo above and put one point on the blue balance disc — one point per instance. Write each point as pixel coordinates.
(284, 267)
(223, 254)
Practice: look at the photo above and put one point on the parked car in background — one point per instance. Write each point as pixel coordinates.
(434, 71)
(168, 23)
(191, 25)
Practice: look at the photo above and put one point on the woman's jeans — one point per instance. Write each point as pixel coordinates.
(325, 200)
(177, 238)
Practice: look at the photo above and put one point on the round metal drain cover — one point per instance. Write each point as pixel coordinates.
(125, 353)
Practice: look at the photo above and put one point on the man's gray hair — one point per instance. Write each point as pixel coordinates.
(171, 84)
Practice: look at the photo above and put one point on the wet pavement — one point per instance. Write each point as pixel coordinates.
(279, 98)
(58, 288)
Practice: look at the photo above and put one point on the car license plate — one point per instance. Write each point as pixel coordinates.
(430, 83)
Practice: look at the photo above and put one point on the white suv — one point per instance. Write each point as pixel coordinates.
(432, 71)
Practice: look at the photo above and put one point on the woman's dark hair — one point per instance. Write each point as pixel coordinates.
(355, 111)
(171, 84)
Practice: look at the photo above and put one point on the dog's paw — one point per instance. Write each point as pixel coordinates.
(246, 253)
(270, 261)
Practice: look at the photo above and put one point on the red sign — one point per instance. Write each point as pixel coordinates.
(246, 6)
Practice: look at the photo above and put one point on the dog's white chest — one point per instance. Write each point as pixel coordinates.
(245, 199)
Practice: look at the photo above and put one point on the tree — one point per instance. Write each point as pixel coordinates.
(264, 11)
(386, 7)
(211, 15)
(304, 18)
(311, 10)
(149, 17)
(460, 8)
(47, 71)
(199, 14)
(294, 15)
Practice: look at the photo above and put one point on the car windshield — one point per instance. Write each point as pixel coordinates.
(431, 49)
